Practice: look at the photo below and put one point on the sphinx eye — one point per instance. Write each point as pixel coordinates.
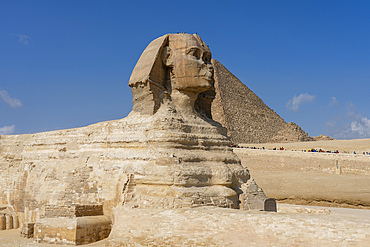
(194, 52)
(207, 57)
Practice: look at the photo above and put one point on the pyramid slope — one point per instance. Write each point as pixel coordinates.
(244, 114)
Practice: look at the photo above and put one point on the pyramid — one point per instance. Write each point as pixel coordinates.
(247, 118)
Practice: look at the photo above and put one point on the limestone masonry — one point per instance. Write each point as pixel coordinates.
(164, 155)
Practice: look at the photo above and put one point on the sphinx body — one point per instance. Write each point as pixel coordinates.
(191, 153)
(167, 153)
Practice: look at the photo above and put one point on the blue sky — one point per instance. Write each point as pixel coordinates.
(66, 64)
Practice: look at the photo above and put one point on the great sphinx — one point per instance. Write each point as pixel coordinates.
(167, 153)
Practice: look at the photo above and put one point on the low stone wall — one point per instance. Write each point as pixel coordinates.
(321, 179)
(297, 161)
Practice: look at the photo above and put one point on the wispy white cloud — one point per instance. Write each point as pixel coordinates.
(362, 127)
(7, 130)
(351, 126)
(24, 39)
(333, 101)
(351, 112)
(13, 102)
(294, 103)
(331, 123)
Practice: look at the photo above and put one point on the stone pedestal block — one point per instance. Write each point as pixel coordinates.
(253, 197)
(27, 230)
(73, 231)
(269, 204)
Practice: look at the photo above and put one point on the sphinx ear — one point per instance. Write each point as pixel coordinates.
(167, 56)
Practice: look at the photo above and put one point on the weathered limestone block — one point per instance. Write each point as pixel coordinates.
(253, 198)
(73, 224)
(73, 231)
(27, 229)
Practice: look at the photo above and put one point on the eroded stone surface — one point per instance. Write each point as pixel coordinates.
(27, 229)
(166, 154)
(210, 226)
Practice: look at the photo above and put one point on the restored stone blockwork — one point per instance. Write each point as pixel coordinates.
(77, 224)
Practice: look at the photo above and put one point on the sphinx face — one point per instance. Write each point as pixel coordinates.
(192, 68)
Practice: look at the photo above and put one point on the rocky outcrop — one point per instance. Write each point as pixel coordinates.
(210, 226)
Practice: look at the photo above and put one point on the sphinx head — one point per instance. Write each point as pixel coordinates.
(189, 60)
(176, 67)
